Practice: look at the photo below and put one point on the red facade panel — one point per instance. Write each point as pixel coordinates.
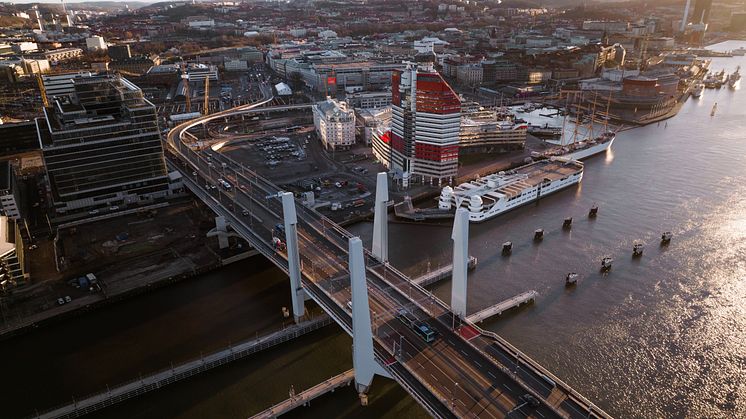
(434, 95)
(435, 153)
(395, 94)
(397, 143)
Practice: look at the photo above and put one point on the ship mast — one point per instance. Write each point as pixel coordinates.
(593, 116)
(606, 122)
(577, 118)
(564, 121)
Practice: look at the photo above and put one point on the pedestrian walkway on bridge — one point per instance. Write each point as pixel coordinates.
(174, 374)
(431, 277)
(498, 308)
(304, 398)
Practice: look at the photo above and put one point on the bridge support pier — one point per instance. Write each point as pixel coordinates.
(221, 231)
(460, 236)
(362, 334)
(291, 238)
(380, 219)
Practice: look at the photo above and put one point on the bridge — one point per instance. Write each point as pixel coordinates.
(498, 308)
(463, 372)
(305, 397)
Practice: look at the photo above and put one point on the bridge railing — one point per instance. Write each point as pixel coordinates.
(166, 376)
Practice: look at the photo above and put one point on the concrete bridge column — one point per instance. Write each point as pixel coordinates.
(460, 238)
(291, 240)
(221, 231)
(380, 219)
(362, 335)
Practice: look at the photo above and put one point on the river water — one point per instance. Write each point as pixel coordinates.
(663, 335)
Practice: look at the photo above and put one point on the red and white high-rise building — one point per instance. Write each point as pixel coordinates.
(425, 122)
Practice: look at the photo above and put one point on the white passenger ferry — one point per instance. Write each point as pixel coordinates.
(497, 193)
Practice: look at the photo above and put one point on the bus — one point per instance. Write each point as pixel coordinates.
(422, 329)
(225, 184)
(425, 332)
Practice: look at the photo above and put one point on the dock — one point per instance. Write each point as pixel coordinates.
(439, 274)
(498, 308)
(406, 210)
(305, 397)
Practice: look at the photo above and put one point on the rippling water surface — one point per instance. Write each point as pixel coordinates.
(663, 335)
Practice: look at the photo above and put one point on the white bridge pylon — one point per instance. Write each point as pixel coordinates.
(460, 236)
(380, 219)
(362, 334)
(291, 241)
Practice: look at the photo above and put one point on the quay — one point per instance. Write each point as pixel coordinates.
(498, 308)
(305, 397)
(189, 369)
(439, 274)
(406, 210)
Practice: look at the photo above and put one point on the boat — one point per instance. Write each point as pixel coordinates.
(738, 52)
(637, 249)
(498, 193)
(583, 149)
(734, 77)
(714, 109)
(697, 90)
(547, 131)
(714, 81)
(528, 107)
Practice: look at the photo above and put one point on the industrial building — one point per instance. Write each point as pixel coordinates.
(101, 146)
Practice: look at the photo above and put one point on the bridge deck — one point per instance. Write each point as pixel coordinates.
(431, 277)
(498, 308)
(305, 397)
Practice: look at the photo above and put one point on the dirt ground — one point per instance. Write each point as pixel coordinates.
(124, 253)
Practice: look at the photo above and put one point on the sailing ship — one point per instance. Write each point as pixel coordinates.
(592, 144)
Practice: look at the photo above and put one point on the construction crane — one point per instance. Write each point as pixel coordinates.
(206, 106)
(187, 93)
(42, 90)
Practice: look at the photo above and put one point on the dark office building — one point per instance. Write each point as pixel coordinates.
(102, 147)
(18, 138)
(701, 13)
(119, 52)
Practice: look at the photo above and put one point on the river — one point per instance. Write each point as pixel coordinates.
(663, 335)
